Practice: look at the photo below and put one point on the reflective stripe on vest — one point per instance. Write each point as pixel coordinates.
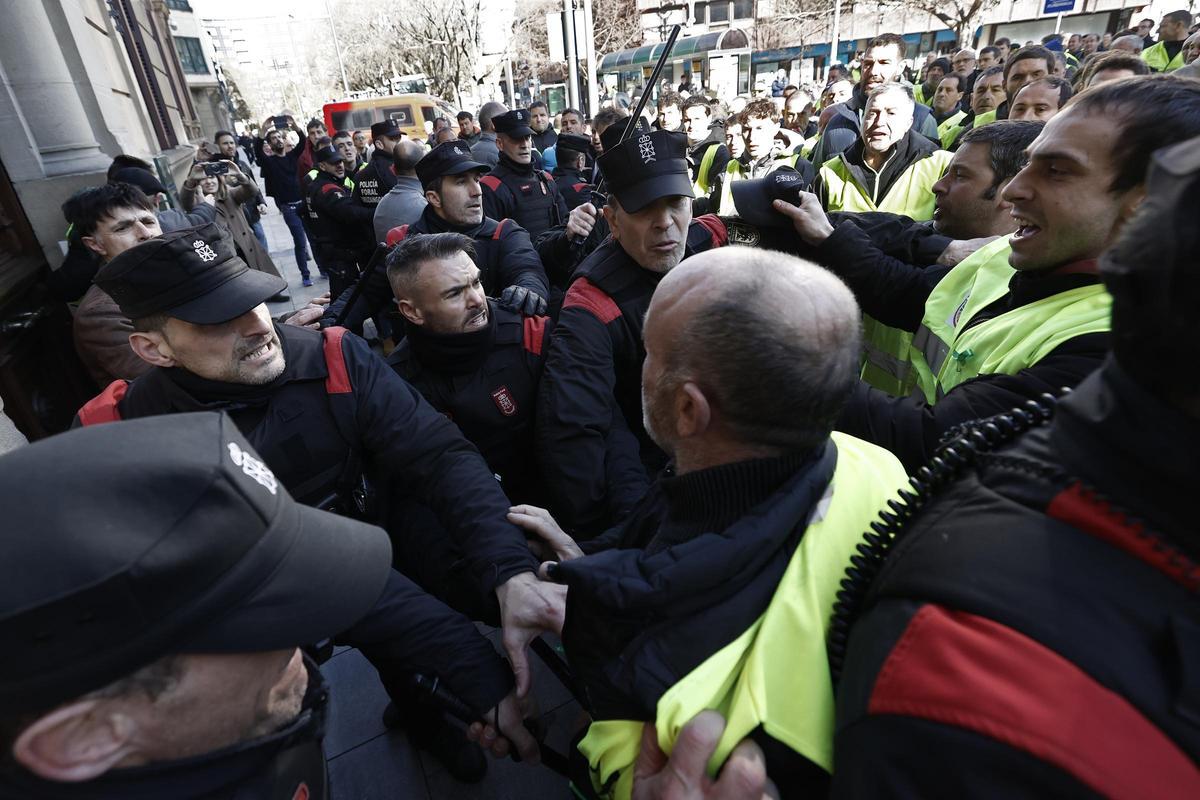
(1157, 59)
(911, 194)
(975, 283)
(776, 674)
(733, 172)
(886, 364)
(701, 186)
(949, 130)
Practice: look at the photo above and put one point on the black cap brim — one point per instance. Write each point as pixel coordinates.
(332, 570)
(752, 200)
(230, 299)
(518, 133)
(635, 197)
(466, 166)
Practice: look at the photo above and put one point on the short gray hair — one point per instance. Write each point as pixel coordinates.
(777, 371)
(900, 87)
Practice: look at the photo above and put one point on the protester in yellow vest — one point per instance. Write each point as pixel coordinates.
(769, 146)
(925, 91)
(891, 168)
(716, 592)
(987, 345)
(707, 153)
(947, 111)
(1167, 54)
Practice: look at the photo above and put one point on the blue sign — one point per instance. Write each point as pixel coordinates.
(1059, 6)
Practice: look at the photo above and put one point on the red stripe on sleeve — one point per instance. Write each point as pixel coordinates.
(587, 295)
(338, 381)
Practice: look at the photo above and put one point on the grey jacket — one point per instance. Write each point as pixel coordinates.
(402, 205)
(485, 151)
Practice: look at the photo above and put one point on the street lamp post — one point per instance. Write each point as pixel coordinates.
(337, 48)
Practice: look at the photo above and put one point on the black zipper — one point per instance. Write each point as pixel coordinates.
(958, 450)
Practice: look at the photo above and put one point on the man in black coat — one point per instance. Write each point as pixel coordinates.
(511, 269)
(341, 229)
(516, 189)
(596, 456)
(320, 407)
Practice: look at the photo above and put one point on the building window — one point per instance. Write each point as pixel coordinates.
(743, 9)
(698, 18)
(718, 12)
(191, 55)
(179, 5)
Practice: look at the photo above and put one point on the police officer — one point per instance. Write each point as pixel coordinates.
(376, 178)
(199, 577)
(510, 268)
(596, 455)
(571, 151)
(478, 363)
(515, 189)
(320, 406)
(341, 228)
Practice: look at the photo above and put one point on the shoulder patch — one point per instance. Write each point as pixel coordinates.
(579, 187)
(104, 407)
(331, 187)
(718, 233)
(549, 177)
(590, 297)
(490, 181)
(338, 381)
(396, 235)
(535, 333)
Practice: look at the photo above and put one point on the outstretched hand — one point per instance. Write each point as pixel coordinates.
(528, 608)
(808, 218)
(684, 775)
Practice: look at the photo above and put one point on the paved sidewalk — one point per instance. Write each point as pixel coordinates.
(366, 761)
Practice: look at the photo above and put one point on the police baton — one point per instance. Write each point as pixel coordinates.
(377, 257)
(598, 197)
(453, 705)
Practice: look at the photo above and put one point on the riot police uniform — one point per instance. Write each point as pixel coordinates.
(572, 185)
(340, 229)
(520, 192)
(376, 178)
(335, 413)
(503, 252)
(597, 458)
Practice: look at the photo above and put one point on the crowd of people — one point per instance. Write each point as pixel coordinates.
(841, 436)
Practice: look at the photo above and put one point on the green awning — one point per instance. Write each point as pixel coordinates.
(648, 54)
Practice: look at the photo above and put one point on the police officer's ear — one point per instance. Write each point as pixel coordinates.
(610, 216)
(76, 742)
(409, 311)
(152, 347)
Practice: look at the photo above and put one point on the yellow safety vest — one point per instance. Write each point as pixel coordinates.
(810, 144)
(885, 349)
(986, 118)
(950, 129)
(919, 95)
(951, 351)
(701, 186)
(776, 674)
(347, 181)
(1157, 59)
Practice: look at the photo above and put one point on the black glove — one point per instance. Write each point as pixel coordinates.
(523, 300)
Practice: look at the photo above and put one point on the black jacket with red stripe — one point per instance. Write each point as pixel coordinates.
(1035, 631)
(336, 403)
(596, 456)
(503, 253)
(486, 383)
(526, 195)
(575, 190)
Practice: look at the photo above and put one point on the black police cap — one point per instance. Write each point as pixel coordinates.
(389, 128)
(646, 167)
(515, 123)
(612, 134)
(448, 158)
(327, 154)
(753, 198)
(572, 142)
(192, 274)
(177, 539)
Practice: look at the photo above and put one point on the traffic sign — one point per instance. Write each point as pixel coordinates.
(1059, 7)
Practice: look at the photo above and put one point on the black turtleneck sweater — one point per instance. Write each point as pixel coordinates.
(712, 499)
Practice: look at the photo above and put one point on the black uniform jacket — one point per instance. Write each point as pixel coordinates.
(338, 226)
(486, 383)
(310, 421)
(374, 179)
(596, 456)
(503, 253)
(526, 195)
(1034, 631)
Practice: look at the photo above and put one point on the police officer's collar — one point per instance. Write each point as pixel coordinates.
(432, 223)
(525, 170)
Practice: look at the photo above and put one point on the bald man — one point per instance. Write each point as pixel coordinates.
(403, 204)
(718, 587)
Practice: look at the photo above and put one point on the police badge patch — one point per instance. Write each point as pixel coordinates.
(504, 401)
